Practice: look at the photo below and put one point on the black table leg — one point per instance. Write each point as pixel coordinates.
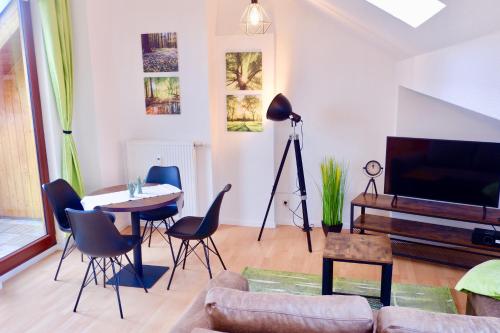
(148, 273)
(385, 293)
(327, 279)
(136, 231)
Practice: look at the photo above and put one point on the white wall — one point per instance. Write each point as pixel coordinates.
(344, 88)
(244, 159)
(465, 74)
(424, 116)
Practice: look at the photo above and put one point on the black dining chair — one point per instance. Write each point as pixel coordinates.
(164, 215)
(61, 196)
(97, 237)
(200, 230)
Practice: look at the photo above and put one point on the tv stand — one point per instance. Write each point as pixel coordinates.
(443, 244)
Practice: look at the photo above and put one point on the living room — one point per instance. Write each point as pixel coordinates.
(283, 150)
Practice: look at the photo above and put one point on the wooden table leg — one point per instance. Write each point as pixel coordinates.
(136, 231)
(327, 279)
(386, 284)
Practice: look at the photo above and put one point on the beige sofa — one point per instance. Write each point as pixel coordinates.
(226, 305)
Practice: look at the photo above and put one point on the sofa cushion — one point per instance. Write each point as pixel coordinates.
(195, 316)
(204, 330)
(404, 320)
(479, 305)
(482, 279)
(237, 312)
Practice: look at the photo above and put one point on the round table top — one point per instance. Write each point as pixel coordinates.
(139, 205)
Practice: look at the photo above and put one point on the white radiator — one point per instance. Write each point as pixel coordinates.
(142, 155)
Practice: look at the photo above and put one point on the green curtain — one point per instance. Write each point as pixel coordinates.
(56, 26)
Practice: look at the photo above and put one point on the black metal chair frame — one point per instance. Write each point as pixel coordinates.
(156, 227)
(102, 268)
(150, 224)
(203, 236)
(188, 249)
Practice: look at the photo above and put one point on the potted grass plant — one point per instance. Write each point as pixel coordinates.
(333, 175)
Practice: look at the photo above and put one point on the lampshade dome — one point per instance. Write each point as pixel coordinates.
(281, 109)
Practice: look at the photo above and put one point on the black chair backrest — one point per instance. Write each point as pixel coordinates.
(164, 175)
(210, 222)
(95, 234)
(61, 196)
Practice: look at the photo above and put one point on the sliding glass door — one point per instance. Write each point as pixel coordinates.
(26, 227)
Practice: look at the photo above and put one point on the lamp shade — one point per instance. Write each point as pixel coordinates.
(280, 109)
(254, 20)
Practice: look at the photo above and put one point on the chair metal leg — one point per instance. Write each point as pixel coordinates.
(93, 269)
(171, 247)
(104, 272)
(144, 231)
(150, 233)
(81, 256)
(185, 255)
(117, 286)
(176, 263)
(207, 257)
(217, 252)
(83, 285)
(62, 256)
(135, 272)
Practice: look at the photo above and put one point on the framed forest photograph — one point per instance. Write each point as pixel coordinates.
(159, 52)
(244, 71)
(244, 113)
(162, 95)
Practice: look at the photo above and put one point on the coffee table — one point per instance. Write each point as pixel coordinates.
(358, 249)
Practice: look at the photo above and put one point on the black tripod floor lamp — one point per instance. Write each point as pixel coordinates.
(280, 109)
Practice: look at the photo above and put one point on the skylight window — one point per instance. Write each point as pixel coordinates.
(412, 12)
(3, 5)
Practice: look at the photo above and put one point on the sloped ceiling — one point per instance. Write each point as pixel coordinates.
(460, 21)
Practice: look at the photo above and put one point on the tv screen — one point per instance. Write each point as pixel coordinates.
(465, 172)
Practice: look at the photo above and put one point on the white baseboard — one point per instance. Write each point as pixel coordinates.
(27, 264)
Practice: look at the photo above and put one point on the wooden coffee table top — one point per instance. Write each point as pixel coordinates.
(368, 249)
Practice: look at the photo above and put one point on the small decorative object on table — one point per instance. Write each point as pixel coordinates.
(333, 175)
(140, 183)
(131, 189)
(372, 169)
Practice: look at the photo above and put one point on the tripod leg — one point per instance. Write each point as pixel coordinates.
(303, 194)
(276, 181)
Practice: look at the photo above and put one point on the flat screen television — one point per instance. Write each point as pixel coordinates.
(465, 172)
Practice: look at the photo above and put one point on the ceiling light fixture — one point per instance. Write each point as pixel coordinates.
(254, 20)
(412, 12)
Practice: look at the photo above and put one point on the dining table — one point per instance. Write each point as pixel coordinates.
(149, 274)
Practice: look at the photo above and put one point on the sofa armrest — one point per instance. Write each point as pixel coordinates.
(405, 320)
(196, 316)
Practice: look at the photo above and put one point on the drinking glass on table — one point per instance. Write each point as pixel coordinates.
(131, 189)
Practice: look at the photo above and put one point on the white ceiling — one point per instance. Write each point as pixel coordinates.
(460, 21)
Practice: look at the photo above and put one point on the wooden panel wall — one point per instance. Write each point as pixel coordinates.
(20, 192)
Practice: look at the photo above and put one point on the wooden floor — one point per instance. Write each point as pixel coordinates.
(33, 302)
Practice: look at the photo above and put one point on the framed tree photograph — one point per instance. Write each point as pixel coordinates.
(159, 52)
(244, 71)
(162, 95)
(244, 113)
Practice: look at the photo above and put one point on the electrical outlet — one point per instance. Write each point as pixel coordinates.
(285, 203)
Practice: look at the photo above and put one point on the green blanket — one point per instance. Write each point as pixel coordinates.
(484, 279)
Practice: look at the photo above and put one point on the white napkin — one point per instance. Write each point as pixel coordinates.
(91, 201)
